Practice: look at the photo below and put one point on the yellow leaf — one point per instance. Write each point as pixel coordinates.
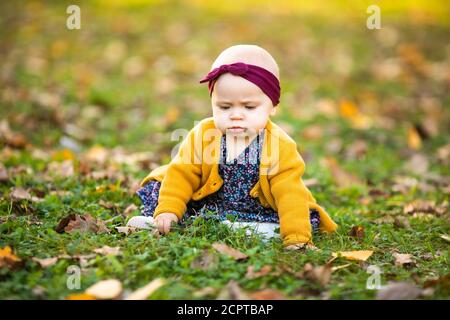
(144, 292)
(350, 111)
(414, 140)
(64, 154)
(105, 289)
(361, 255)
(80, 296)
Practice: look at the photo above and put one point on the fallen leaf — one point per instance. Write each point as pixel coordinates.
(414, 140)
(80, 296)
(126, 230)
(8, 259)
(403, 259)
(86, 223)
(419, 206)
(267, 294)
(128, 210)
(4, 175)
(252, 274)
(106, 250)
(357, 232)
(320, 274)
(402, 222)
(146, 291)
(105, 289)
(63, 169)
(19, 194)
(445, 237)
(206, 261)
(224, 249)
(342, 178)
(398, 291)
(47, 262)
(232, 291)
(360, 255)
(207, 291)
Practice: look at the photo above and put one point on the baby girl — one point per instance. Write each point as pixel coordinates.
(237, 163)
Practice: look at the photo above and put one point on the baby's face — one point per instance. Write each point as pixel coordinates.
(240, 107)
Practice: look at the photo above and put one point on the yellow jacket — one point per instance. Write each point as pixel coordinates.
(193, 174)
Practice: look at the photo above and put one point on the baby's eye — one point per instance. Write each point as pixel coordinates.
(250, 107)
(224, 107)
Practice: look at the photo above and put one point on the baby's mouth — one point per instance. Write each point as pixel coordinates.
(236, 129)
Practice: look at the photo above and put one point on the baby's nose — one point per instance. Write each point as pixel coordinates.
(236, 115)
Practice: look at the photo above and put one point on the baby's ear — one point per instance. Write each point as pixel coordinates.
(274, 111)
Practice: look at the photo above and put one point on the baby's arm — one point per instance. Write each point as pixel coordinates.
(291, 197)
(182, 178)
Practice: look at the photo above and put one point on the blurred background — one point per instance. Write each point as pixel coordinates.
(129, 77)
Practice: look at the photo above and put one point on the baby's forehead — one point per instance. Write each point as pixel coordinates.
(249, 54)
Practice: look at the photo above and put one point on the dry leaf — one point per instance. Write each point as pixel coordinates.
(252, 274)
(360, 255)
(402, 222)
(4, 175)
(235, 254)
(126, 230)
(106, 250)
(403, 259)
(105, 289)
(357, 232)
(63, 169)
(19, 194)
(207, 291)
(144, 292)
(342, 178)
(80, 296)
(47, 262)
(85, 223)
(206, 261)
(320, 275)
(128, 210)
(414, 140)
(445, 237)
(8, 259)
(340, 267)
(267, 294)
(398, 291)
(232, 291)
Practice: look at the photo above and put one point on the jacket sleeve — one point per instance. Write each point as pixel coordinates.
(182, 177)
(291, 196)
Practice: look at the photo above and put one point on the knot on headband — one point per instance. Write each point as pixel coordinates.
(263, 78)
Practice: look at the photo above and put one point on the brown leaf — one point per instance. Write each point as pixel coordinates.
(357, 232)
(267, 294)
(414, 140)
(419, 206)
(126, 230)
(106, 250)
(205, 261)
(63, 169)
(402, 222)
(320, 275)
(86, 223)
(232, 291)
(224, 249)
(128, 210)
(4, 175)
(146, 291)
(19, 194)
(252, 274)
(47, 262)
(359, 255)
(398, 291)
(404, 259)
(64, 222)
(342, 178)
(105, 289)
(8, 259)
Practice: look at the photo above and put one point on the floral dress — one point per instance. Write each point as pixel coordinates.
(232, 201)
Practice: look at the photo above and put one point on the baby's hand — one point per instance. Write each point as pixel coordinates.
(299, 246)
(164, 222)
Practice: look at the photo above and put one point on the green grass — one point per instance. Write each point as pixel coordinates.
(108, 107)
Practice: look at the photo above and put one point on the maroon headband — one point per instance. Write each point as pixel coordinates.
(264, 79)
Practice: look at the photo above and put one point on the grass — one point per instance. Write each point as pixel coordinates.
(100, 101)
